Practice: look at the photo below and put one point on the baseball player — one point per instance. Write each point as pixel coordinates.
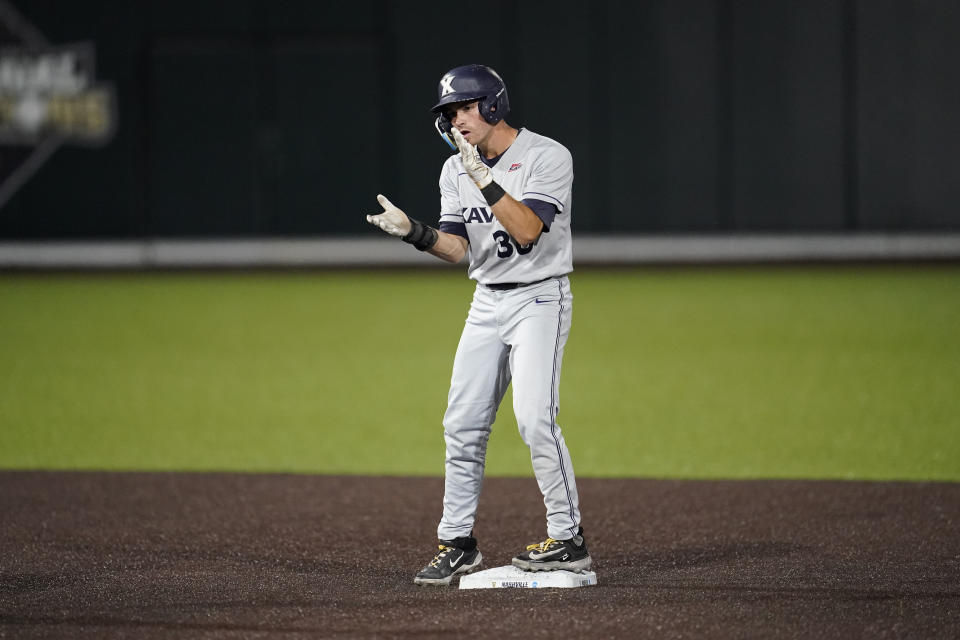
(505, 204)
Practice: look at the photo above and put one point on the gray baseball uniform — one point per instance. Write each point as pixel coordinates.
(511, 332)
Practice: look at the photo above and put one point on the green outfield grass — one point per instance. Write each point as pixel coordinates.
(823, 372)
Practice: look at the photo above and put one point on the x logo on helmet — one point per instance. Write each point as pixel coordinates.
(447, 83)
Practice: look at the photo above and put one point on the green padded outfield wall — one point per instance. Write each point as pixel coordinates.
(286, 117)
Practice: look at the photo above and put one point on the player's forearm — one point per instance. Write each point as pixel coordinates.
(518, 219)
(449, 247)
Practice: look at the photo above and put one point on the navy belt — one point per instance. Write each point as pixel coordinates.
(505, 286)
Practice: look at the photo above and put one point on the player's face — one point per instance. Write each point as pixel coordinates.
(466, 117)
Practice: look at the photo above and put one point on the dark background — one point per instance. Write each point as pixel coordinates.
(287, 117)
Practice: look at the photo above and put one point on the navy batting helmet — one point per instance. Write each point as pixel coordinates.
(471, 82)
(475, 82)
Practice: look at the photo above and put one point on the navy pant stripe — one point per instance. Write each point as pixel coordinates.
(553, 411)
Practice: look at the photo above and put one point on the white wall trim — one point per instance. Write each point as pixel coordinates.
(588, 250)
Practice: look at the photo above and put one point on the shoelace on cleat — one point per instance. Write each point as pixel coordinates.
(440, 556)
(542, 546)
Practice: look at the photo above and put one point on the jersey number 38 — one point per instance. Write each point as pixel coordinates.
(505, 245)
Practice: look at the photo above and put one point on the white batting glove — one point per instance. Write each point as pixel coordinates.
(392, 220)
(470, 157)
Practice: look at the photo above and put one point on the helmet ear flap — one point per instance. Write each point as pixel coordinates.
(495, 108)
(488, 109)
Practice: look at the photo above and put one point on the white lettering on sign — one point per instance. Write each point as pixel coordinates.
(54, 72)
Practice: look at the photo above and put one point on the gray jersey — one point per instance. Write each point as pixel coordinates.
(534, 167)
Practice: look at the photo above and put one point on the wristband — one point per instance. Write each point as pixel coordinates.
(492, 193)
(421, 236)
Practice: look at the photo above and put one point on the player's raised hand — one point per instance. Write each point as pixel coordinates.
(392, 220)
(470, 157)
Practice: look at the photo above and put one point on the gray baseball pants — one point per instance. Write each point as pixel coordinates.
(517, 335)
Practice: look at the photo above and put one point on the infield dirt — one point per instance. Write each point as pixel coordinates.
(150, 555)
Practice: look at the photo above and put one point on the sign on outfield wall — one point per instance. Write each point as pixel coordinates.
(53, 92)
(49, 95)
